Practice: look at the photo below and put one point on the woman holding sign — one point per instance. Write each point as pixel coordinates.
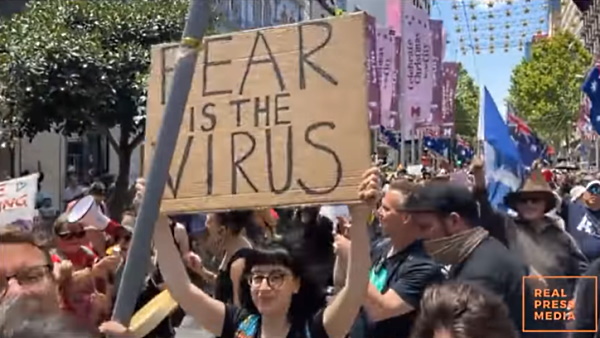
(277, 297)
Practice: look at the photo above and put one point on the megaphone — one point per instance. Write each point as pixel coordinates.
(88, 212)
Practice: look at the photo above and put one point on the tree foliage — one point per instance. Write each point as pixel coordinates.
(72, 66)
(466, 104)
(545, 89)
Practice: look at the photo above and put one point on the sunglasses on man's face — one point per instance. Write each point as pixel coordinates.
(530, 199)
(71, 235)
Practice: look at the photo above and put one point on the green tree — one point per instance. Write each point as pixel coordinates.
(73, 66)
(545, 89)
(466, 105)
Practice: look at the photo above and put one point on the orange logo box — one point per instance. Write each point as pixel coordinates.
(554, 305)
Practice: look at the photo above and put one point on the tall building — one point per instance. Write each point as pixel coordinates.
(240, 15)
(571, 17)
(423, 4)
(554, 15)
(591, 25)
(378, 8)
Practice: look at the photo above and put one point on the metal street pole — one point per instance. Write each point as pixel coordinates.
(139, 253)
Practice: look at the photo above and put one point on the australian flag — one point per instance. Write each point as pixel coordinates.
(591, 86)
(530, 146)
(463, 152)
(435, 143)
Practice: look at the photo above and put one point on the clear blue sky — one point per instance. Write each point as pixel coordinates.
(491, 70)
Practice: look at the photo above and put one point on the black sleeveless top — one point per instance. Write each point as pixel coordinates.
(224, 284)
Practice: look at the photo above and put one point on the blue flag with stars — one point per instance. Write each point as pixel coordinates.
(389, 137)
(591, 87)
(503, 162)
(438, 145)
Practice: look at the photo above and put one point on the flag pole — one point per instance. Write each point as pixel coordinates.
(480, 124)
(139, 254)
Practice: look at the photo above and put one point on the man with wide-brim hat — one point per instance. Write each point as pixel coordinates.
(534, 199)
(536, 236)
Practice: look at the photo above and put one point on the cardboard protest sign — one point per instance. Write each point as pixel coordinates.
(276, 116)
(17, 200)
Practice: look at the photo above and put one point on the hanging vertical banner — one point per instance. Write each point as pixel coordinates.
(417, 81)
(436, 67)
(385, 63)
(393, 11)
(444, 40)
(373, 74)
(450, 81)
(394, 115)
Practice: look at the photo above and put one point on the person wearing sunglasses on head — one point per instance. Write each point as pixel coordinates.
(86, 284)
(72, 244)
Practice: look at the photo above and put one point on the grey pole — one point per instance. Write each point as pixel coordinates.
(139, 253)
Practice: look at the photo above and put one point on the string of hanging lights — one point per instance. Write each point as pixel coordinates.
(491, 26)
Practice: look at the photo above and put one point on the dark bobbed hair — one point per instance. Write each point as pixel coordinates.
(311, 211)
(237, 220)
(316, 235)
(310, 297)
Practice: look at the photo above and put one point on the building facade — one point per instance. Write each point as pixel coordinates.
(240, 15)
(571, 17)
(590, 31)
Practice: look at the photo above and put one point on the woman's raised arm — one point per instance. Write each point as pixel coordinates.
(208, 312)
(341, 313)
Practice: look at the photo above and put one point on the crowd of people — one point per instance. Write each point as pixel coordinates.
(418, 257)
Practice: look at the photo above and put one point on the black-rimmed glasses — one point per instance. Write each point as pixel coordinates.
(274, 279)
(25, 277)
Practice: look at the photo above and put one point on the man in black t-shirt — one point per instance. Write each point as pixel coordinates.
(400, 273)
(452, 215)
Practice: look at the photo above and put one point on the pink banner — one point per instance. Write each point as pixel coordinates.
(374, 90)
(450, 81)
(394, 116)
(393, 12)
(417, 80)
(436, 67)
(385, 63)
(444, 39)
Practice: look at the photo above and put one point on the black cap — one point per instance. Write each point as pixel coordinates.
(443, 198)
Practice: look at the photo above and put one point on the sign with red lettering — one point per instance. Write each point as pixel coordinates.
(17, 200)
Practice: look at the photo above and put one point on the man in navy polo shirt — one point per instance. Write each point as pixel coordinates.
(401, 271)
